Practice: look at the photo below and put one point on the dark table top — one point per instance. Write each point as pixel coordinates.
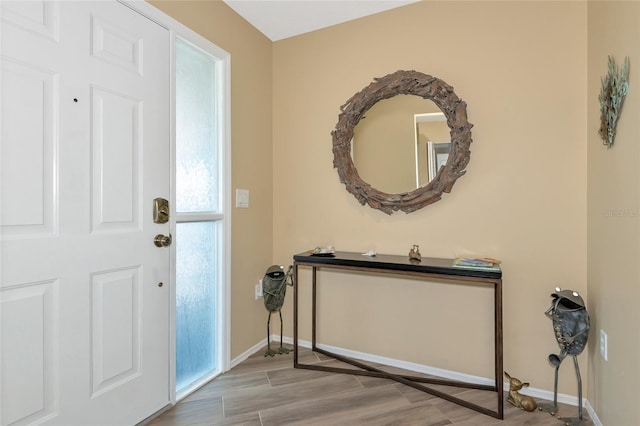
(431, 265)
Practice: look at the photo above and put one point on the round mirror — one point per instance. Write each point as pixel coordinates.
(428, 179)
(398, 142)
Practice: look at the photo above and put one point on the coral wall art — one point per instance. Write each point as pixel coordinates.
(612, 93)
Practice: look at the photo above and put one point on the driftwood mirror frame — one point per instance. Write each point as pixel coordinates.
(403, 83)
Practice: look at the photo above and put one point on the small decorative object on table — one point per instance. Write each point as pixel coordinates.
(612, 93)
(323, 251)
(414, 253)
(524, 402)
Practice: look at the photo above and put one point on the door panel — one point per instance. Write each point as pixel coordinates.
(116, 46)
(28, 160)
(85, 150)
(116, 158)
(28, 327)
(40, 17)
(116, 334)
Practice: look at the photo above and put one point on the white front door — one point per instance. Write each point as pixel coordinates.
(85, 149)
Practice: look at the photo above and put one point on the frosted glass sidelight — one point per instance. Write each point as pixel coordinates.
(197, 236)
(197, 175)
(196, 271)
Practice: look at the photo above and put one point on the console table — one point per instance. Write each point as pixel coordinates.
(436, 268)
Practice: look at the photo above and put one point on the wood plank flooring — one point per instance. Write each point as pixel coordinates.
(269, 391)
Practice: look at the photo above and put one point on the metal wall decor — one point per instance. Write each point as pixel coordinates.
(612, 93)
(571, 327)
(403, 83)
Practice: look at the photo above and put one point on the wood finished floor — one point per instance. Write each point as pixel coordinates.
(269, 391)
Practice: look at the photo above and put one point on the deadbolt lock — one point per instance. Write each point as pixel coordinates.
(160, 210)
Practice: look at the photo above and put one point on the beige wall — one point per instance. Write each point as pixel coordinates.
(251, 146)
(523, 199)
(614, 220)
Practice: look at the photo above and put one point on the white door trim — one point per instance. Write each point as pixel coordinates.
(178, 29)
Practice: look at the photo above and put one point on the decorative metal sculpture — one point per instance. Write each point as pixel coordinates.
(515, 398)
(571, 326)
(274, 288)
(614, 88)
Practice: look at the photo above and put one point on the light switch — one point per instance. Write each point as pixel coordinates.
(242, 198)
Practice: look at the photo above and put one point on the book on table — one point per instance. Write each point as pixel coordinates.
(482, 263)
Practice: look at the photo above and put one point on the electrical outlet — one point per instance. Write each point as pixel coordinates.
(259, 290)
(603, 345)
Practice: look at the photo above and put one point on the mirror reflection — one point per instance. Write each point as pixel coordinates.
(400, 143)
(432, 145)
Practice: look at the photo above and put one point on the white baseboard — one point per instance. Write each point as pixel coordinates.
(592, 414)
(252, 350)
(446, 374)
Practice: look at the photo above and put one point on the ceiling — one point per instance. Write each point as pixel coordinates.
(280, 19)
